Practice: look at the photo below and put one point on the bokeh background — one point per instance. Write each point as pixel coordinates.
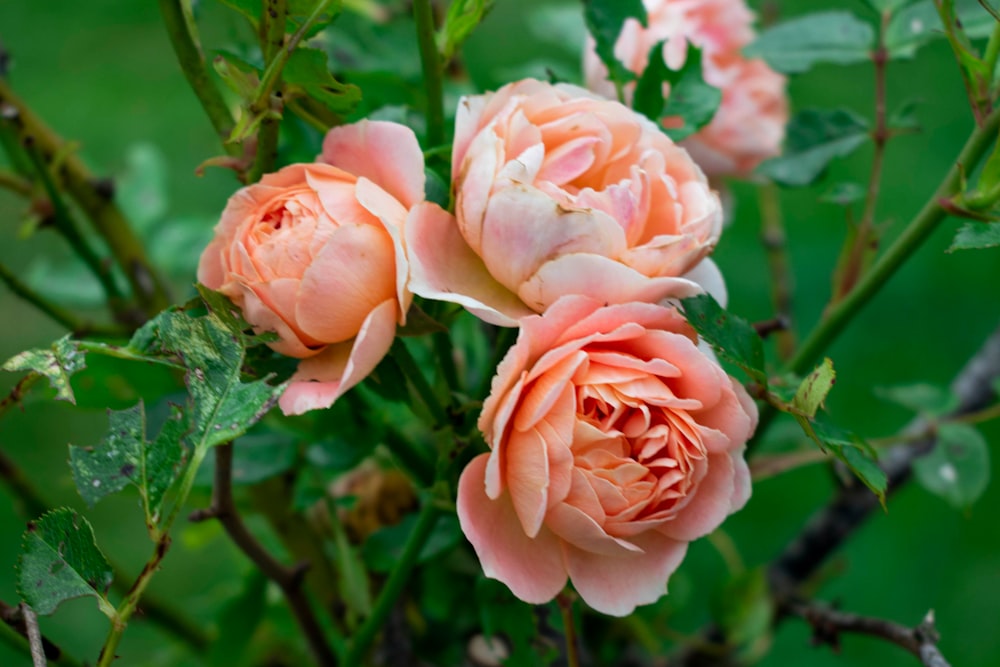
(103, 74)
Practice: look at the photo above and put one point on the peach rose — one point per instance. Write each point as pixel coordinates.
(615, 442)
(314, 253)
(750, 123)
(558, 191)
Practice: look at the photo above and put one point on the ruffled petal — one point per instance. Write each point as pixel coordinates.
(710, 505)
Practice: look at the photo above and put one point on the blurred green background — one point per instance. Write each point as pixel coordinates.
(102, 73)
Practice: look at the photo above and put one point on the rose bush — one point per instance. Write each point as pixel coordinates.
(314, 252)
(614, 442)
(558, 191)
(750, 123)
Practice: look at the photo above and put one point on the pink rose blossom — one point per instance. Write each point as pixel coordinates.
(558, 191)
(614, 442)
(314, 252)
(750, 123)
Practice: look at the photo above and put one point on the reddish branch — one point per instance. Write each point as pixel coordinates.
(828, 624)
(288, 579)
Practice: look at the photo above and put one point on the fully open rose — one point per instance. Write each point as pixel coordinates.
(614, 442)
(750, 122)
(558, 191)
(314, 253)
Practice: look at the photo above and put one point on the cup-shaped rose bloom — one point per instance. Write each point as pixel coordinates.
(614, 442)
(558, 191)
(750, 123)
(314, 253)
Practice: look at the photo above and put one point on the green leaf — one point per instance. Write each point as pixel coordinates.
(844, 194)
(307, 69)
(814, 138)
(796, 45)
(125, 457)
(605, 19)
(854, 452)
(958, 468)
(926, 399)
(976, 235)
(256, 457)
(814, 388)
(60, 561)
(919, 23)
(743, 608)
(730, 336)
(462, 18)
(905, 117)
(503, 615)
(691, 102)
(58, 364)
(887, 5)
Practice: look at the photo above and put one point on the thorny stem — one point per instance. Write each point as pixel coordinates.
(393, 587)
(973, 88)
(836, 318)
(430, 59)
(829, 623)
(272, 39)
(288, 579)
(192, 62)
(97, 202)
(862, 243)
(773, 238)
(57, 313)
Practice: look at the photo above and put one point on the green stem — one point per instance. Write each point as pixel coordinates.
(130, 603)
(274, 67)
(393, 588)
(896, 255)
(192, 62)
(401, 355)
(57, 313)
(992, 52)
(430, 59)
(565, 602)
(98, 205)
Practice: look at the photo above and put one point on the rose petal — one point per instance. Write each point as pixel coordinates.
(387, 153)
(531, 567)
(353, 273)
(443, 267)
(616, 585)
(339, 367)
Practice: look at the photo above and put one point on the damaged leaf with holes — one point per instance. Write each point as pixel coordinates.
(124, 457)
(60, 561)
(212, 347)
(57, 363)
